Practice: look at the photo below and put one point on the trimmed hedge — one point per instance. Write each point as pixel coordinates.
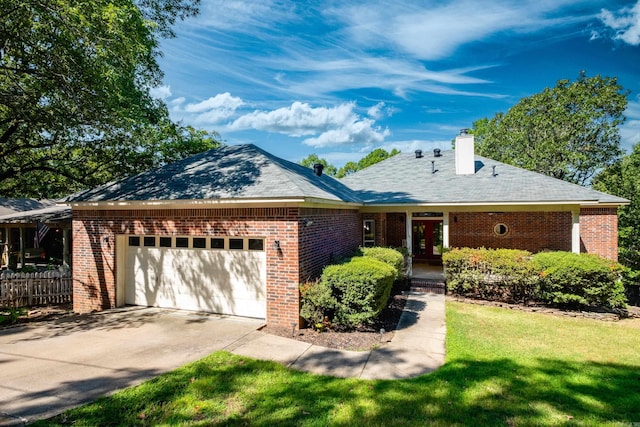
(361, 287)
(559, 278)
(491, 274)
(389, 256)
(575, 280)
(354, 291)
(317, 302)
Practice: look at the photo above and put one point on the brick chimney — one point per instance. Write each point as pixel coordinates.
(465, 154)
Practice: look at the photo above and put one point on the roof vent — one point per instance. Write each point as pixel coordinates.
(464, 131)
(418, 154)
(436, 152)
(317, 168)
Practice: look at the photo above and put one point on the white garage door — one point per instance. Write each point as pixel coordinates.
(220, 275)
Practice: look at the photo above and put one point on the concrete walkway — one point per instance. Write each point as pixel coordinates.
(417, 348)
(50, 367)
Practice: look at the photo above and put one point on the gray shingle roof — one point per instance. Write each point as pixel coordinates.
(248, 172)
(232, 172)
(8, 206)
(405, 179)
(49, 214)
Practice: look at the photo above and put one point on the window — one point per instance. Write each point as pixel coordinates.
(165, 242)
(217, 243)
(500, 229)
(199, 242)
(368, 232)
(236, 243)
(182, 242)
(149, 241)
(134, 241)
(256, 244)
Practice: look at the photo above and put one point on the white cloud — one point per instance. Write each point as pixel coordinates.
(222, 100)
(625, 22)
(630, 130)
(213, 110)
(435, 31)
(357, 132)
(160, 92)
(333, 126)
(377, 111)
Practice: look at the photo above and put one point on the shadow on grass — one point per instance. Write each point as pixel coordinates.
(223, 389)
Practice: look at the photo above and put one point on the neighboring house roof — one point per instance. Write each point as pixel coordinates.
(8, 206)
(231, 172)
(405, 179)
(49, 214)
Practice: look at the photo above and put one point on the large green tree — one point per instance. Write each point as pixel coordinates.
(312, 159)
(75, 107)
(570, 131)
(623, 179)
(375, 156)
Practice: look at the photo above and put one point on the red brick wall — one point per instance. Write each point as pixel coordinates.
(396, 229)
(94, 266)
(532, 231)
(599, 232)
(304, 250)
(333, 233)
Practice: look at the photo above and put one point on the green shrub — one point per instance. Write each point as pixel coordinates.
(575, 280)
(317, 301)
(389, 256)
(361, 287)
(10, 316)
(492, 274)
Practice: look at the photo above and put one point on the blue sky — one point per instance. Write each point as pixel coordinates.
(340, 78)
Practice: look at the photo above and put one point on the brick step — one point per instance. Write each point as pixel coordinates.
(421, 285)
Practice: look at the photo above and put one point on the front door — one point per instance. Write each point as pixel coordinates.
(427, 239)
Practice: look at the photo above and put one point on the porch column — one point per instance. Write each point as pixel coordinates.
(409, 244)
(21, 246)
(66, 261)
(445, 230)
(575, 231)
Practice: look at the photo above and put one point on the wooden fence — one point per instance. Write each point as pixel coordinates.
(28, 289)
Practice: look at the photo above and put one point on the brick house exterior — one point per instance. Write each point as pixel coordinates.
(306, 220)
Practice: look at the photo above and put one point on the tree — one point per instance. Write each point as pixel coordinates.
(312, 159)
(568, 132)
(74, 93)
(372, 158)
(376, 156)
(623, 179)
(347, 169)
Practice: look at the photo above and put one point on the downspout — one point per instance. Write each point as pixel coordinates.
(575, 231)
(445, 230)
(409, 244)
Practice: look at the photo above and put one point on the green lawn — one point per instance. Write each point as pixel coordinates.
(503, 368)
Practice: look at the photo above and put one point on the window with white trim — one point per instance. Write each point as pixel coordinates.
(368, 232)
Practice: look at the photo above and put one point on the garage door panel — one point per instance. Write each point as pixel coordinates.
(221, 281)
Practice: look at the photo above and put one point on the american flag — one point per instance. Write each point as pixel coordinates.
(41, 230)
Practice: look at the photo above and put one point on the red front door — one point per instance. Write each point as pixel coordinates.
(426, 239)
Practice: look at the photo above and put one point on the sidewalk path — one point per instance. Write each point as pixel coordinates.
(417, 348)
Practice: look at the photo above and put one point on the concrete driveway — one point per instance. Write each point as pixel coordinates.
(48, 367)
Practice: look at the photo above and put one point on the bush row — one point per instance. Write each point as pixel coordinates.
(354, 291)
(559, 278)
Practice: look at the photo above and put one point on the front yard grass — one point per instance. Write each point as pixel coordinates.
(503, 368)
